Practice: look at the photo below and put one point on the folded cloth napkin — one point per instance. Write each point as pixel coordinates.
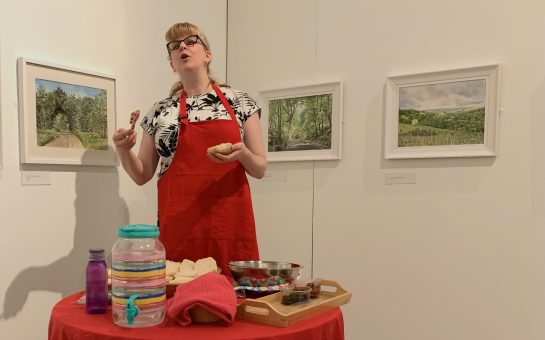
(211, 291)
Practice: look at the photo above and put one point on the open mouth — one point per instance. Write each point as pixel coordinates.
(184, 56)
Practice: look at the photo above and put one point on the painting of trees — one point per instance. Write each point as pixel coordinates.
(69, 115)
(300, 123)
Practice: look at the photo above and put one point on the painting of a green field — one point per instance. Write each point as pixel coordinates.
(451, 113)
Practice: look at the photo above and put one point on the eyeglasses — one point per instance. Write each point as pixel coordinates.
(189, 41)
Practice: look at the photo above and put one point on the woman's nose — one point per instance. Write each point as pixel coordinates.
(182, 46)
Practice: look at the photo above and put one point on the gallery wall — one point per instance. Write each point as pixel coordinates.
(459, 253)
(47, 230)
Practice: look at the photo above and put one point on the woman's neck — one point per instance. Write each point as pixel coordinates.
(197, 86)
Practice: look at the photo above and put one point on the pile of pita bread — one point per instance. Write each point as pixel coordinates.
(187, 270)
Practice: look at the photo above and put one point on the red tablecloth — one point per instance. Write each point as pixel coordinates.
(69, 321)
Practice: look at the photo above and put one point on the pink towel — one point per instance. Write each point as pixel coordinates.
(211, 291)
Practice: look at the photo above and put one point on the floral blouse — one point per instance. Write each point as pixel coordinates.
(162, 123)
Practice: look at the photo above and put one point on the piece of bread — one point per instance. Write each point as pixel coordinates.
(187, 265)
(223, 148)
(180, 279)
(172, 267)
(187, 272)
(206, 265)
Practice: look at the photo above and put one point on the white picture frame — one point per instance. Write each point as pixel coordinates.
(66, 115)
(452, 113)
(1, 120)
(303, 123)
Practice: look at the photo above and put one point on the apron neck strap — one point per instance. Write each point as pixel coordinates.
(183, 105)
(224, 102)
(183, 108)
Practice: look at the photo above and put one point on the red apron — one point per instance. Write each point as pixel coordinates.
(205, 208)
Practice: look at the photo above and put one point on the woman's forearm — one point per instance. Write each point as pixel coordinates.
(133, 166)
(140, 168)
(254, 164)
(253, 154)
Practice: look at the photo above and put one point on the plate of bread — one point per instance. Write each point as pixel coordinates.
(178, 273)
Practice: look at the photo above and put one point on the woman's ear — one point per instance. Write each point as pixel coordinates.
(208, 57)
(172, 67)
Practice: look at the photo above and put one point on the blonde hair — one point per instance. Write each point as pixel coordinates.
(185, 29)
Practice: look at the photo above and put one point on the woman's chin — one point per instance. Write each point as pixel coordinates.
(189, 66)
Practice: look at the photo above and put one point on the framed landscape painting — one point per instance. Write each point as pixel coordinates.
(442, 114)
(66, 115)
(303, 123)
(1, 105)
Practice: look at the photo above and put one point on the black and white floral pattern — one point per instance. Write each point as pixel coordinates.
(162, 122)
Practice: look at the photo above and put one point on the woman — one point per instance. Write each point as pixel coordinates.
(205, 207)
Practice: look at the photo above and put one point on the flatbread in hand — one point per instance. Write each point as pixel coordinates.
(223, 148)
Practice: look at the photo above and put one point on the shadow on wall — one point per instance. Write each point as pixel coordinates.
(99, 211)
(538, 159)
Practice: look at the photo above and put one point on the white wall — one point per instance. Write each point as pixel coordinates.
(459, 254)
(47, 230)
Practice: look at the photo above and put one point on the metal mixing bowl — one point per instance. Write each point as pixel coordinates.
(264, 273)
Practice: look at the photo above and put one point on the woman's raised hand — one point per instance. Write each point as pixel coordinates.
(124, 139)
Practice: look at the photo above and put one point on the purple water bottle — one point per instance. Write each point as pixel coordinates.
(96, 279)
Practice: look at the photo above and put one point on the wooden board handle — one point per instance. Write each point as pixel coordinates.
(259, 308)
(330, 283)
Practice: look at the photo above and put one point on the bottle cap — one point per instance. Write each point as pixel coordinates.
(96, 254)
(138, 231)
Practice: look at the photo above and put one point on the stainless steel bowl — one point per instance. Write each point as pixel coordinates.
(264, 273)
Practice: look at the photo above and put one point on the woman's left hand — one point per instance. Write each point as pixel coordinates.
(238, 151)
(249, 153)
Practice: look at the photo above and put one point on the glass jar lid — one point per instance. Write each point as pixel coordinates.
(138, 231)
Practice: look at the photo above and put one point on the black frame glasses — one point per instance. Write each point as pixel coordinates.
(188, 41)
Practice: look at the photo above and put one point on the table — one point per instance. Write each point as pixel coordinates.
(69, 321)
